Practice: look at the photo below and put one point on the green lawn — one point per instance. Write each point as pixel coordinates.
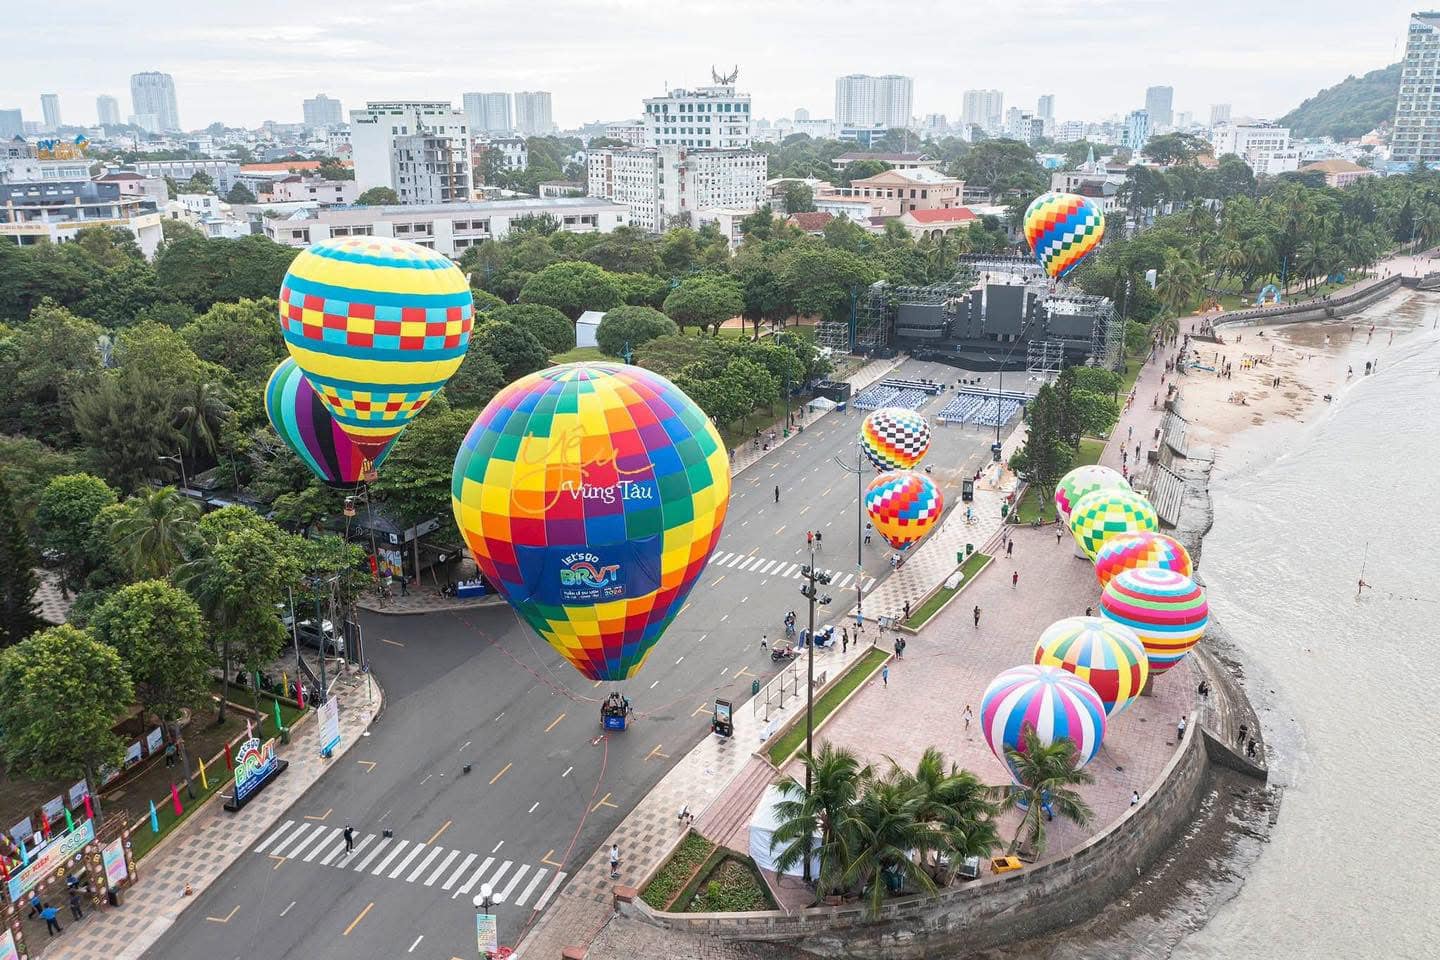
(671, 878)
(860, 671)
(1029, 507)
(578, 354)
(973, 564)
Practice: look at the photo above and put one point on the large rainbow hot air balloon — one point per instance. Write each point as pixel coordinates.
(377, 325)
(903, 505)
(1062, 229)
(1082, 480)
(1104, 514)
(591, 495)
(303, 421)
(1105, 654)
(1167, 610)
(1053, 702)
(895, 438)
(1136, 551)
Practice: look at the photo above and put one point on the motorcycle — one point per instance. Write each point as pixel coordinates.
(782, 654)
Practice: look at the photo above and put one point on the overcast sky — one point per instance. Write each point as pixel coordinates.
(245, 62)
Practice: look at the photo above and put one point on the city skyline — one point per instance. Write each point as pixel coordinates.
(222, 73)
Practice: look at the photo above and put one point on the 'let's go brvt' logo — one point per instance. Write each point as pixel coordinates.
(581, 570)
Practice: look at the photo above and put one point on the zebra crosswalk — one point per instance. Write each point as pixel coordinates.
(765, 567)
(446, 869)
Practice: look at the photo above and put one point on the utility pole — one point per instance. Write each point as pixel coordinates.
(812, 577)
(859, 471)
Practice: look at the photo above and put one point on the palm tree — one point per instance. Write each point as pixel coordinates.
(156, 532)
(201, 577)
(201, 416)
(953, 804)
(882, 831)
(837, 778)
(1046, 774)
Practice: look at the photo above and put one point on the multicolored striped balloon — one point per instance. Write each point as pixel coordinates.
(1083, 480)
(1062, 230)
(1136, 551)
(377, 325)
(895, 438)
(1104, 514)
(302, 420)
(904, 506)
(1103, 653)
(1167, 611)
(1053, 702)
(591, 495)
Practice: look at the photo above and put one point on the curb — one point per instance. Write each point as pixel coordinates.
(490, 601)
(799, 715)
(915, 631)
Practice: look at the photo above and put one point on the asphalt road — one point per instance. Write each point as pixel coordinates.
(545, 789)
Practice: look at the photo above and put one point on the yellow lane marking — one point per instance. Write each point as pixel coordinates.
(548, 862)
(683, 609)
(554, 722)
(501, 773)
(393, 643)
(443, 828)
(369, 765)
(703, 708)
(227, 917)
(656, 754)
(368, 906)
(604, 802)
(278, 861)
(322, 816)
(781, 530)
(595, 684)
(744, 672)
(717, 580)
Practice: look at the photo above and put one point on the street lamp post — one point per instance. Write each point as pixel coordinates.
(859, 471)
(812, 577)
(180, 459)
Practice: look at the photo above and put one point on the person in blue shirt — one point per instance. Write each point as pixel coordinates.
(50, 915)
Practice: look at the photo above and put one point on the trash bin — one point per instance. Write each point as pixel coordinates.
(1004, 510)
(969, 549)
(754, 687)
(113, 896)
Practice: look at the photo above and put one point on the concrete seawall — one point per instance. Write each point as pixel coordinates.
(1341, 306)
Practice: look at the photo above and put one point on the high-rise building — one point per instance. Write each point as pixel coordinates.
(419, 149)
(487, 112)
(1266, 148)
(153, 94)
(801, 115)
(50, 107)
(1045, 107)
(532, 113)
(714, 118)
(12, 124)
(323, 112)
(107, 110)
(984, 109)
(862, 100)
(1136, 131)
(1416, 134)
(1219, 113)
(668, 184)
(1160, 105)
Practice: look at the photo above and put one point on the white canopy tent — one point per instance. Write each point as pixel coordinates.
(763, 823)
(822, 404)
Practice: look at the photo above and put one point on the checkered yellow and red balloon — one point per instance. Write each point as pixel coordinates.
(1136, 551)
(895, 438)
(904, 506)
(377, 325)
(1062, 230)
(591, 496)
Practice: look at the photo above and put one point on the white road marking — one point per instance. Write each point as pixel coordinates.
(504, 895)
(443, 864)
(724, 618)
(654, 685)
(474, 878)
(427, 778)
(395, 851)
(416, 943)
(682, 657)
(400, 868)
(345, 861)
(287, 909)
(274, 836)
(384, 842)
(735, 559)
(458, 871)
(530, 888)
(324, 844)
(749, 562)
(498, 846)
(504, 868)
(566, 773)
(339, 849)
(545, 897)
(429, 859)
(466, 744)
(533, 806)
(300, 832)
(770, 565)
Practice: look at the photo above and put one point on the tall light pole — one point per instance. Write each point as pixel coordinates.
(812, 577)
(859, 471)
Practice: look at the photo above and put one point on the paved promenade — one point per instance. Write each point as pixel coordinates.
(207, 844)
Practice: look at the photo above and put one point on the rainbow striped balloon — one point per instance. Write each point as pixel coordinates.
(377, 325)
(895, 438)
(1104, 514)
(1103, 653)
(592, 495)
(1053, 702)
(301, 419)
(903, 505)
(1136, 551)
(1062, 230)
(1083, 480)
(1167, 611)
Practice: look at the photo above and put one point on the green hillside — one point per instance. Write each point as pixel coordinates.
(1349, 109)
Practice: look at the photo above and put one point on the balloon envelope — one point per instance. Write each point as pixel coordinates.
(1062, 229)
(377, 325)
(895, 438)
(303, 421)
(1083, 480)
(1167, 610)
(1104, 514)
(1105, 654)
(1053, 702)
(1136, 551)
(591, 495)
(903, 506)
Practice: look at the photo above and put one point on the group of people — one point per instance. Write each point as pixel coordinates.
(50, 913)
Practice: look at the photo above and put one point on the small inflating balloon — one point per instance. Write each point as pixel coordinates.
(303, 421)
(1062, 230)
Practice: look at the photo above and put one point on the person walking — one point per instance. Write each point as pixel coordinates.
(1010, 548)
(1014, 579)
(818, 542)
(349, 839)
(1243, 730)
(51, 917)
(1250, 749)
(967, 716)
(885, 675)
(844, 639)
(75, 910)
(614, 861)
(1180, 729)
(1057, 533)
(809, 538)
(1134, 797)
(36, 905)
(777, 493)
(907, 609)
(977, 616)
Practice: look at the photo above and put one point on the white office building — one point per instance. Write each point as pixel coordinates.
(513, 152)
(153, 95)
(107, 110)
(50, 108)
(670, 184)
(1023, 125)
(862, 100)
(532, 113)
(224, 173)
(1070, 131)
(322, 111)
(629, 132)
(984, 109)
(447, 228)
(1416, 135)
(712, 118)
(1265, 147)
(418, 148)
(488, 112)
(1136, 132)
(1219, 113)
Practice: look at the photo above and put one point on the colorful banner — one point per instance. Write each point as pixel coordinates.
(50, 858)
(329, 726)
(255, 764)
(114, 856)
(8, 950)
(487, 934)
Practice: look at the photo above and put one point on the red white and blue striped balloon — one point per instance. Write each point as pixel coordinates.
(1054, 702)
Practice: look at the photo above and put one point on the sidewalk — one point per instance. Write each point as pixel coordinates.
(206, 845)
